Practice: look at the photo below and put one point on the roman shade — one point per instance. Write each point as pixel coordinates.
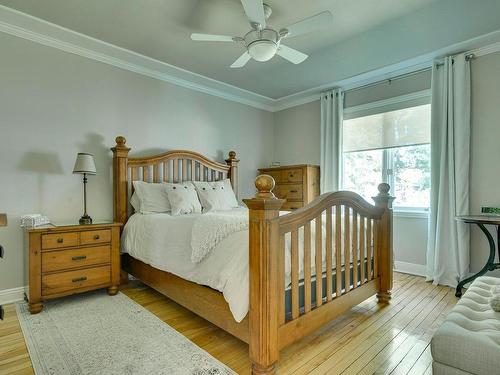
(403, 127)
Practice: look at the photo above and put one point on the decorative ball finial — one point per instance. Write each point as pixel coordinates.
(232, 154)
(264, 184)
(384, 188)
(120, 141)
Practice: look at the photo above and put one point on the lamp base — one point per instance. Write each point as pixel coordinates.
(85, 220)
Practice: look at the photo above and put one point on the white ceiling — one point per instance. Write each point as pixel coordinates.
(161, 28)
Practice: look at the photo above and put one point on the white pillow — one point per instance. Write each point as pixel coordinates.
(135, 202)
(183, 198)
(152, 197)
(216, 195)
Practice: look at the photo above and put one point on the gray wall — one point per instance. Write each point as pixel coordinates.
(485, 148)
(54, 104)
(297, 134)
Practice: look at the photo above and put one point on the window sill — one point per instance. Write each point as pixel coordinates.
(411, 214)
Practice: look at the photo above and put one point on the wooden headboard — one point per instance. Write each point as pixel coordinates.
(170, 166)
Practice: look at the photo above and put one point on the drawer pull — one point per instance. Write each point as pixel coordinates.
(96, 237)
(79, 257)
(60, 240)
(294, 191)
(79, 279)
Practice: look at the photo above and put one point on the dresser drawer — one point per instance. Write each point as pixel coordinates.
(275, 174)
(74, 258)
(69, 280)
(291, 206)
(93, 237)
(292, 175)
(290, 191)
(58, 240)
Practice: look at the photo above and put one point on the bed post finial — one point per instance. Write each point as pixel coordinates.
(385, 255)
(264, 184)
(120, 157)
(264, 245)
(233, 171)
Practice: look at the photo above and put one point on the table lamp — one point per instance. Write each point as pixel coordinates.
(85, 165)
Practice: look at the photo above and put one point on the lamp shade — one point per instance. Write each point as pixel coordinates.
(84, 164)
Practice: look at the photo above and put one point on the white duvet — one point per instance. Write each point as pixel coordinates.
(164, 242)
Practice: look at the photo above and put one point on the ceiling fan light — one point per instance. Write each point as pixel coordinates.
(262, 50)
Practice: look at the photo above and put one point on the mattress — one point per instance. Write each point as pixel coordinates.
(164, 242)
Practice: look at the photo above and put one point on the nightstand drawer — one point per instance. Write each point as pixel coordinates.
(74, 258)
(66, 281)
(290, 191)
(95, 237)
(58, 240)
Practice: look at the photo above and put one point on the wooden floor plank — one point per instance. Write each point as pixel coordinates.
(360, 341)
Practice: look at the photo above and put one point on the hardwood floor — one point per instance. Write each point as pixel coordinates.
(369, 339)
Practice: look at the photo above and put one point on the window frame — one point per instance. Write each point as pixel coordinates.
(392, 104)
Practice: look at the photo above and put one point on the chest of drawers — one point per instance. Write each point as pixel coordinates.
(65, 260)
(298, 184)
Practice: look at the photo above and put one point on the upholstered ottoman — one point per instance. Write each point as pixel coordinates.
(468, 342)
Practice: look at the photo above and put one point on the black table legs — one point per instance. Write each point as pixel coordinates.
(490, 264)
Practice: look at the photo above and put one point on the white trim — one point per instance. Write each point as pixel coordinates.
(46, 33)
(410, 268)
(12, 295)
(488, 43)
(31, 28)
(387, 102)
(411, 214)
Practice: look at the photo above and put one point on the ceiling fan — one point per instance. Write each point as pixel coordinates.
(262, 42)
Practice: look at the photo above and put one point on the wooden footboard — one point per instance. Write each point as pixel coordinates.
(355, 262)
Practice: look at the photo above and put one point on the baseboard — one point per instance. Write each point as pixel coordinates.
(11, 295)
(410, 268)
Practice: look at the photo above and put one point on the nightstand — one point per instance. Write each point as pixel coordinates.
(71, 259)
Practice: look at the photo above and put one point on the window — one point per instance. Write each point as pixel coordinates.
(392, 147)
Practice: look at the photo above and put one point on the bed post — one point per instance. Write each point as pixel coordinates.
(384, 238)
(263, 263)
(233, 171)
(120, 155)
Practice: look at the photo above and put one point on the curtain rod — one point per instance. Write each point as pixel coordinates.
(389, 80)
(468, 57)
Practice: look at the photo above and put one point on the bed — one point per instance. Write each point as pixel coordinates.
(267, 292)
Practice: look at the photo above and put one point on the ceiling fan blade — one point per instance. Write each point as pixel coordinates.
(211, 38)
(254, 10)
(319, 21)
(241, 61)
(291, 54)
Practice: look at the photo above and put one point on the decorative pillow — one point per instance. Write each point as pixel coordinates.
(216, 195)
(152, 197)
(183, 198)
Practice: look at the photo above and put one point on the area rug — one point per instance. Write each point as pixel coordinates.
(96, 334)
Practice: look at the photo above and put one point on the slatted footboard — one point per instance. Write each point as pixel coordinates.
(311, 265)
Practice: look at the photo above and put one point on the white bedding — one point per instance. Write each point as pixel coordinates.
(164, 242)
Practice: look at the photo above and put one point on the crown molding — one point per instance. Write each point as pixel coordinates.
(46, 33)
(31, 28)
(479, 46)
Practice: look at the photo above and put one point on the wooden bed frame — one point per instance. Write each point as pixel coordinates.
(268, 328)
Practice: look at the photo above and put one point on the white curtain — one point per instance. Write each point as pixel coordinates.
(332, 107)
(448, 243)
